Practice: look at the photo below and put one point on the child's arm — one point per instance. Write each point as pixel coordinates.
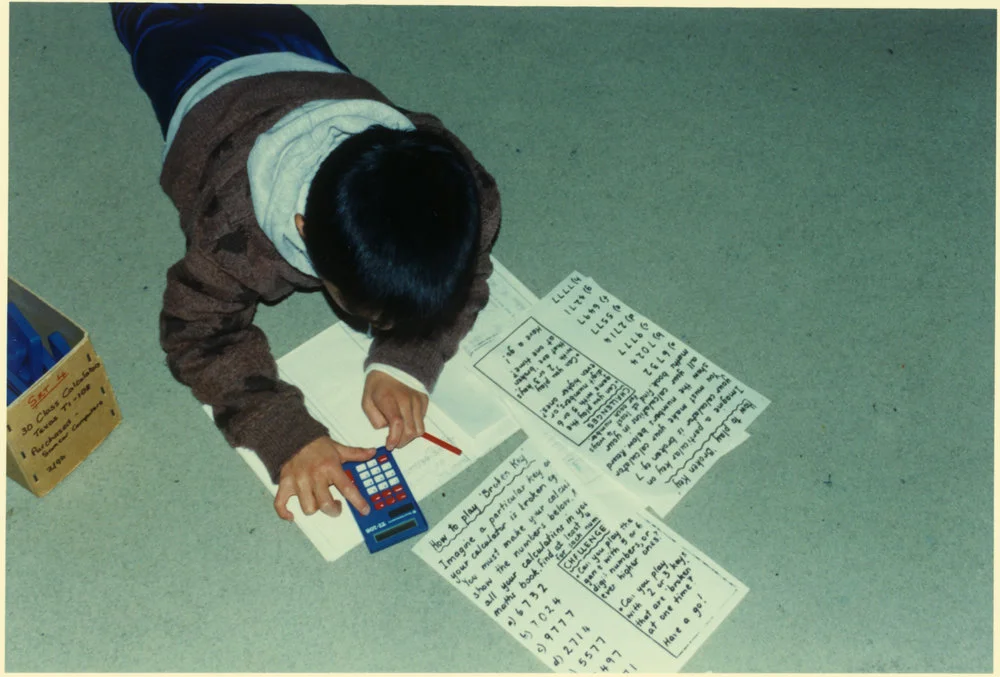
(213, 347)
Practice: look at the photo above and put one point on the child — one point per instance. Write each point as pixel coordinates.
(290, 173)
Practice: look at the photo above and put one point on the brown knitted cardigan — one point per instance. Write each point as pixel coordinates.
(230, 265)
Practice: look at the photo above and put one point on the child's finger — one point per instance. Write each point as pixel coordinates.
(395, 428)
(375, 416)
(356, 453)
(340, 479)
(307, 501)
(325, 502)
(409, 423)
(285, 492)
(351, 493)
(418, 417)
(395, 433)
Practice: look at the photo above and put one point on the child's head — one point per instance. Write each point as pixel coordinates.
(392, 222)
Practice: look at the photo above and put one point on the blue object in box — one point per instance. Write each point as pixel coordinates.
(395, 515)
(15, 386)
(27, 357)
(59, 345)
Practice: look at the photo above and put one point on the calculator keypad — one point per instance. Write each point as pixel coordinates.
(380, 482)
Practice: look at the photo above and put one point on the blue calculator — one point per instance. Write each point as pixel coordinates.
(395, 515)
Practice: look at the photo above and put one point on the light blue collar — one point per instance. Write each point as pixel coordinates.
(285, 159)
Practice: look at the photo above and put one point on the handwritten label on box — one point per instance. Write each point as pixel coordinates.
(57, 423)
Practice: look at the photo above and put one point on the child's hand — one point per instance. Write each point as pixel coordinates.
(387, 402)
(310, 473)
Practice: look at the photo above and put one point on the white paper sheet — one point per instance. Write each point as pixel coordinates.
(462, 392)
(509, 300)
(580, 592)
(327, 369)
(637, 401)
(602, 488)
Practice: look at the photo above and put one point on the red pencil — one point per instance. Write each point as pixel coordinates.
(442, 444)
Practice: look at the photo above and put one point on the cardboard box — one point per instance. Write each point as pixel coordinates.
(67, 413)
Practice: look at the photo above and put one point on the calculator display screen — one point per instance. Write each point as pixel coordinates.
(395, 530)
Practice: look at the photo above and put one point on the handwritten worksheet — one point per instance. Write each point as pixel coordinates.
(509, 300)
(641, 404)
(582, 592)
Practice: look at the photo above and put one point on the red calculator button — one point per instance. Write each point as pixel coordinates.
(383, 459)
(390, 500)
(401, 496)
(398, 488)
(379, 505)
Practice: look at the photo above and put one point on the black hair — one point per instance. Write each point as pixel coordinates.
(392, 221)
